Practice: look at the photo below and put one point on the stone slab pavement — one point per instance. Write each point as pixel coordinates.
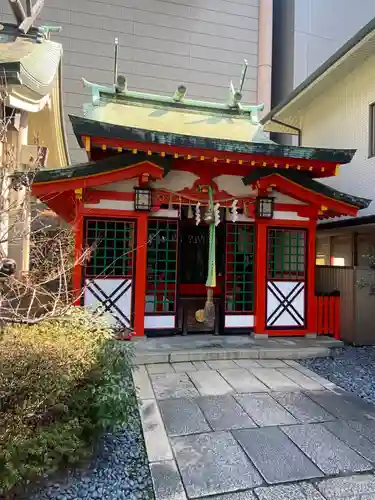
(254, 430)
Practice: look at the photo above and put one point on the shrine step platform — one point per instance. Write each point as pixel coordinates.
(213, 347)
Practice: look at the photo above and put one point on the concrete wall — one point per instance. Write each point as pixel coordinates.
(163, 43)
(308, 32)
(339, 118)
(321, 27)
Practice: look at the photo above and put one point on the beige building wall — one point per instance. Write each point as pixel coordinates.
(201, 43)
(339, 118)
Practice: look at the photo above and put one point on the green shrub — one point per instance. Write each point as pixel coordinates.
(62, 383)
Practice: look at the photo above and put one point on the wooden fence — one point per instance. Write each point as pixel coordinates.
(357, 306)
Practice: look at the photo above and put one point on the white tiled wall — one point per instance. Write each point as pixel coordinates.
(163, 43)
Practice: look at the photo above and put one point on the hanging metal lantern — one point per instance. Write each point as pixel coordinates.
(142, 199)
(264, 207)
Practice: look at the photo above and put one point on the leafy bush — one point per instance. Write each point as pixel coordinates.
(62, 383)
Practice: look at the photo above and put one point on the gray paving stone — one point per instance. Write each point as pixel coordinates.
(328, 452)
(275, 456)
(301, 379)
(272, 363)
(182, 416)
(351, 487)
(352, 438)
(166, 481)
(213, 463)
(301, 491)
(363, 407)
(210, 383)
(309, 373)
(364, 426)
(224, 413)
(201, 365)
(302, 407)
(186, 366)
(335, 404)
(142, 383)
(156, 440)
(221, 364)
(159, 368)
(173, 385)
(264, 410)
(243, 381)
(275, 380)
(238, 495)
(247, 363)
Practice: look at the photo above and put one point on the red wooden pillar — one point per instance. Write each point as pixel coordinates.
(260, 276)
(311, 301)
(77, 270)
(140, 276)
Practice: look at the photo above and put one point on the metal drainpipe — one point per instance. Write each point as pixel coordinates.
(298, 130)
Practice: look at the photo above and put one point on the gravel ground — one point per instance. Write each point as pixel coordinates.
(119, 471)
(352, 368)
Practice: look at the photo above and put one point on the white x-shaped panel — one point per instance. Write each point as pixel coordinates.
(285, 304)
(112, 296)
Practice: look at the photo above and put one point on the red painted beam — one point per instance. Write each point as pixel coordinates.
(320, 169)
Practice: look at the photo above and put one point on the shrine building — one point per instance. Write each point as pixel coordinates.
(183, 203)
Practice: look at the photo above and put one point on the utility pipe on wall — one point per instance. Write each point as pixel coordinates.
(265, 54)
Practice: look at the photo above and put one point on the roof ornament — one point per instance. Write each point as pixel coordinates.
(49, 29)
(115, 69)
(235, 95)
(119, 86)
(25, 20)
(119, 81)
(180, 93)
(254, 117)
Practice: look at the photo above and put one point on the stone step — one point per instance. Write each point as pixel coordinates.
(179, 356)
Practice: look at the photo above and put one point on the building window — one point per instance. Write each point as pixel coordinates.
(162, 250)
(286, 254)
(372, 131)
(239, 268)
(322, 251)
(110, 248)
(342, 251)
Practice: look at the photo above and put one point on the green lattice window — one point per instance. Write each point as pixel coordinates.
(161, 266)
(110, 247)
(286, 254)
(239, 268)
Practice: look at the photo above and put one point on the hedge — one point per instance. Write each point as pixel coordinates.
(61, 386)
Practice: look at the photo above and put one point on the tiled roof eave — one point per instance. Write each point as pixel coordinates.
(87, 127)
(306, 181)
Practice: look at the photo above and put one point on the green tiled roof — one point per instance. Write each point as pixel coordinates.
(85, 126)
(110, 164)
